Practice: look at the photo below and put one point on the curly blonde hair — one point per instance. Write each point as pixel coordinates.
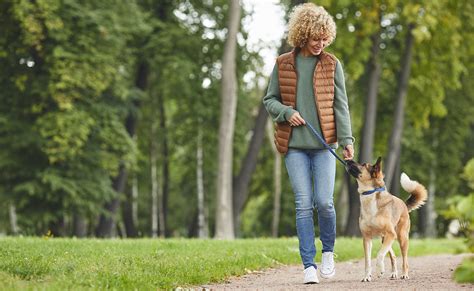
(309, 20)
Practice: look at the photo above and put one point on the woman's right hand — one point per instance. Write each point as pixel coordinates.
(296, 119)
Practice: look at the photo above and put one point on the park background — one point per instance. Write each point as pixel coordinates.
(145, 118)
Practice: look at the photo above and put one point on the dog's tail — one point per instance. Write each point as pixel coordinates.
(418, 193)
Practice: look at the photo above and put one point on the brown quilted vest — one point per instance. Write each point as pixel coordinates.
(323, 86)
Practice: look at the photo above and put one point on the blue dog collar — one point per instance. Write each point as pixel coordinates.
(373, 191)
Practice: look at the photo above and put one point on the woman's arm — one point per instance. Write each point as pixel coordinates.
(341, 109)
(272, 101)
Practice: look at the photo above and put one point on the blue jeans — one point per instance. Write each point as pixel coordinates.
(312, 174)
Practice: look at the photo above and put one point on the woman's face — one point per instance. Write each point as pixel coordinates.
(315, 45)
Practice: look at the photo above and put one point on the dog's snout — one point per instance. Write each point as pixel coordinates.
(353, 169)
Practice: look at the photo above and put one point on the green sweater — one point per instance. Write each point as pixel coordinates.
(302, 137)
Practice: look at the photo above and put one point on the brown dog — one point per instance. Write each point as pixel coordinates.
(385, 215)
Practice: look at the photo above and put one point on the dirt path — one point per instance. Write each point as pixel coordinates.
(430, 272)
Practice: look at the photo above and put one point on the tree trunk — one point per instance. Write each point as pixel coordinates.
(430, 227)
(154, 184)
(427, 213)
(276, 181)
(395, 187)
(13, 219)
(120, 229)
(58, 227)
(107, 225)
(203, 227)
(397, 129)
(193, 226)
(352, 226)
(242, 181)
(129, 207)
(163, 200)
(128, 215)
(277, 195)
(135, 199)
(107, 221)
(342, 205)
(224, 217)
(79, 226)
(368, 132)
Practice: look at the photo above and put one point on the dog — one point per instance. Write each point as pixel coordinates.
(385, 215)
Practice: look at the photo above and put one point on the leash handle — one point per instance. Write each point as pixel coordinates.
(324, 143)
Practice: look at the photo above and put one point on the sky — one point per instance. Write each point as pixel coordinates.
(266, 27)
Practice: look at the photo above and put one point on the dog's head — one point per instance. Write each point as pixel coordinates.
(366, 174)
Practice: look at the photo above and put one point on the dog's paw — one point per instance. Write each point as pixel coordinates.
(380, 267)
(394, 275)
(405, 277)
(380, 270)
(367, 278)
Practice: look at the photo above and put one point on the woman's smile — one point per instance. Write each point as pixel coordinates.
(315, 46)
(317, 50)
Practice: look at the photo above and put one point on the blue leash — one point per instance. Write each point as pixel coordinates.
(325, 144)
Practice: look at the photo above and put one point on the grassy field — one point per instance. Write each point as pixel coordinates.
(39, 263)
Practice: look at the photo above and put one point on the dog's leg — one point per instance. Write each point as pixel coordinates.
(386, 246)
(368, 255)
(393, 260)
(403, 240)
(403, 231)
(382, 264)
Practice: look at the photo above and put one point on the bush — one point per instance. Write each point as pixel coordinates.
(461, 209)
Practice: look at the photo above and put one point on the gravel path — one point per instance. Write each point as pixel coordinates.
(429, 272)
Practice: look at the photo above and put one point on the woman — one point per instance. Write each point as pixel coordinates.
(307, 85)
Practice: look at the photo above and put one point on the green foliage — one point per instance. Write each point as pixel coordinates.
(356, 22)
(66, 92)
(468, 174)
(460, 207)
(185, 79)
(69, 79)
(465, 272)
(438, 34)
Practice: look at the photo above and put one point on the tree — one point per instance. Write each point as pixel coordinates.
(203, 227)
(402, 87)
(69, 64)
(249, 162)
(224, 218)
(276, 181)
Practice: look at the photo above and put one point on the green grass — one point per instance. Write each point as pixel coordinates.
(38, 263)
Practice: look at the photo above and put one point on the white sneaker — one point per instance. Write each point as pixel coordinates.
(327, 269)
(311, 275)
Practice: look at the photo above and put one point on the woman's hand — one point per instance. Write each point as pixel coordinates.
(348, 152)
(296, 120)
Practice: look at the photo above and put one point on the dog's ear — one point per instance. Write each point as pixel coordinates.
(377, 168)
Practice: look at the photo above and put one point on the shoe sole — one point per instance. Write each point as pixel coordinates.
(311, 282)
(328, 276)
